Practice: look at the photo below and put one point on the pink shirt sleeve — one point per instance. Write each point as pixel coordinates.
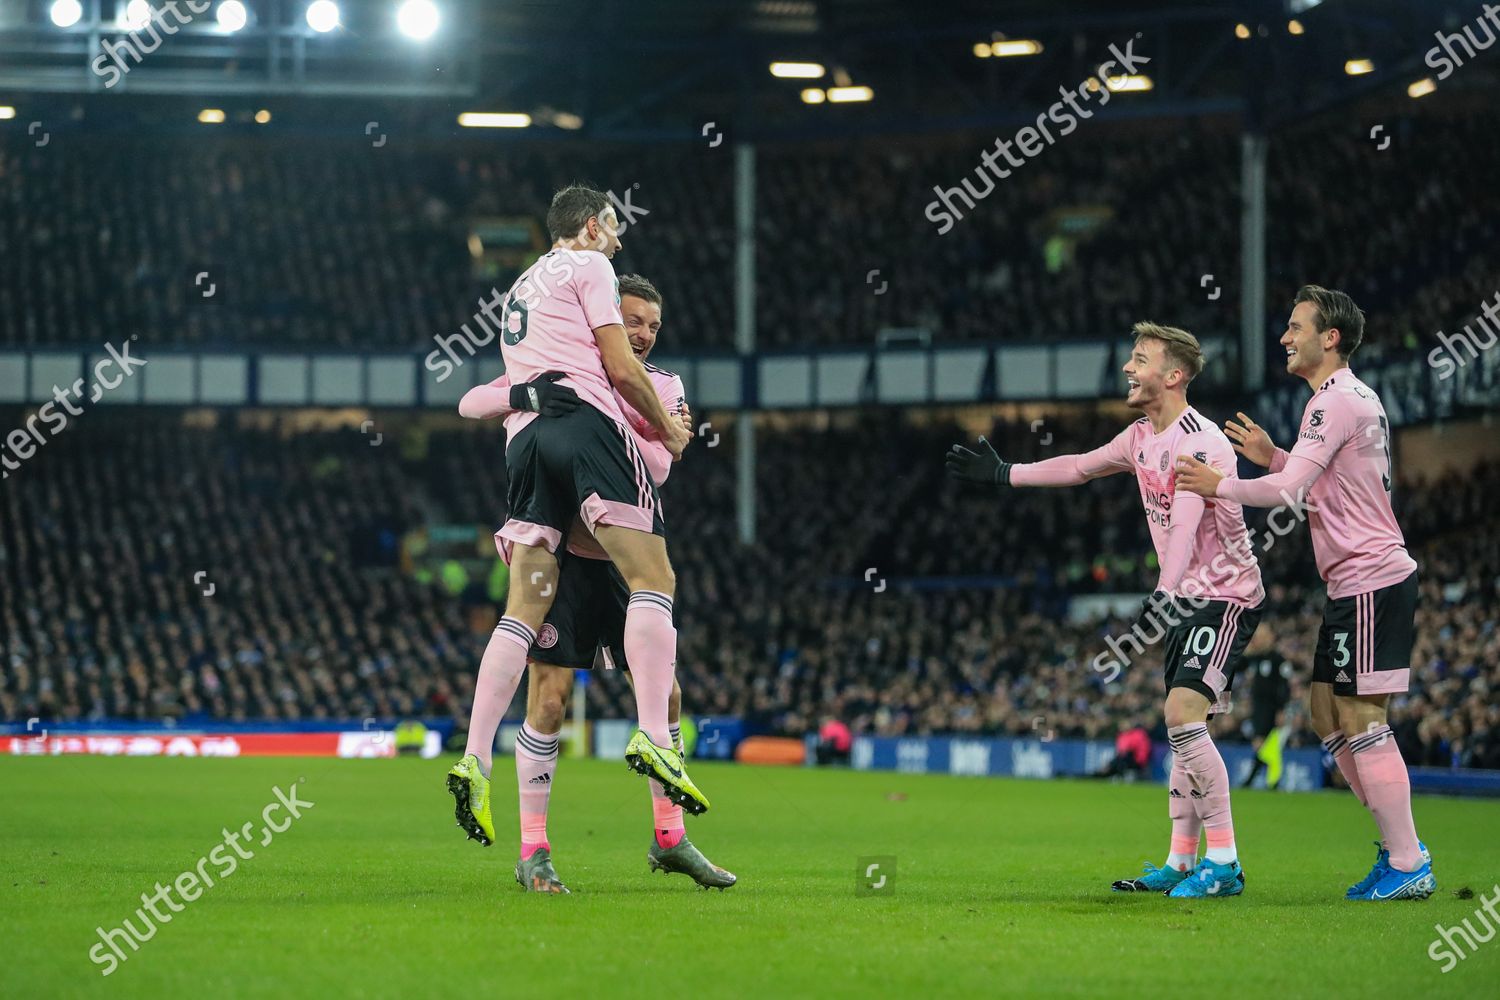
(1325, 427)
(485, 401)
(1288, 486)
(1070, 470)
(598, 291)
(658, 458)
(1187, 514)
(1278, 459)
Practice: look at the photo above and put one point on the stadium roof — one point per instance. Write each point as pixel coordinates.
(665, 68)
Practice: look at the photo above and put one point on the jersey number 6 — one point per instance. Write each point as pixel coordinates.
(517, 308)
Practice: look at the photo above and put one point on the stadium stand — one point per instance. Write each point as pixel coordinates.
(369, 248)
(284, 546)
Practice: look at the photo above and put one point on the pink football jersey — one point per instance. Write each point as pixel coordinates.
(1219, 564)
(548, 322)
(669, 390)
(1356, 540)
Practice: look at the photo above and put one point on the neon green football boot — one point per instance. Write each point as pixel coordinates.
(471, 797)
(665, 765)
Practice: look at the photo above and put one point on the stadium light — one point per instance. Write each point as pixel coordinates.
(211, 116)
(1421, 88)
(1129, 83)
(493, 119)
(846, 95)
(982, 50)
(1242, 31)
(323, 15)
(7, 112)
(1359, 67)
(136, 15)
(417, 19)
(567, 120)
(797, 70)
(1294, 27)
(814, 95)
(65, 13)
(262, 116)
(232, 15)
(1015, 47)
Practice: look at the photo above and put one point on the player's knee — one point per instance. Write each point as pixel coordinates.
(1184, 707)
(552, 685)
(549, 711)
(661, 579)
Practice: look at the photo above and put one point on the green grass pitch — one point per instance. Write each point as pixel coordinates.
(1000, 888)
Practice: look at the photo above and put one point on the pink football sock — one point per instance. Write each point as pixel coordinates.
(1187, 827)
(651, 650)
(499, 674)
(536, 763)
(1388, 787)
(1338, 747)
(666, 817)
(1192, 744)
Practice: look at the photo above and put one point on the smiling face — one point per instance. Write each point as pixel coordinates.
(642, 321)
(1149, 373)
(1306, 346)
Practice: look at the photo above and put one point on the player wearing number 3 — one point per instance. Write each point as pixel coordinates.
(1208, 599)
(1341, 463)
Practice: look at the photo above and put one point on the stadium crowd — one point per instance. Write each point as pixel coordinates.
(180, 566)
(216, 241)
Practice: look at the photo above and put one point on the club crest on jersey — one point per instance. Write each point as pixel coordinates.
(547, 637)
(1201, 456)
(1164, 461)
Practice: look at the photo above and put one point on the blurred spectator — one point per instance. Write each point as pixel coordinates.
(1132, 759)
(834, 742)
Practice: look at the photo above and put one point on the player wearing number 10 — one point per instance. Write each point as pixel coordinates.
(1206, 563)
(1342, 464)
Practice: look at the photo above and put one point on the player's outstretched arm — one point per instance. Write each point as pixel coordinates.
(1065, 470)
(983, 466)
(1251, 440)
(1285, 487)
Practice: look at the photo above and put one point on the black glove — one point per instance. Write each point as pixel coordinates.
(978, 466)
(543, 395)
(1159, 610)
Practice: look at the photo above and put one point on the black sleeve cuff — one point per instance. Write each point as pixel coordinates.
(1002, 474)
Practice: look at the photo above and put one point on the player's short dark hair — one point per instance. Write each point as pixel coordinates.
(634, 284)
(1182, 348)
(572, 208)
(1335, 311)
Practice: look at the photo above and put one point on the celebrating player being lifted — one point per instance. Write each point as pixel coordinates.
(563, 314)
(1341, 463)
(588, 613)
(1206, 561)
